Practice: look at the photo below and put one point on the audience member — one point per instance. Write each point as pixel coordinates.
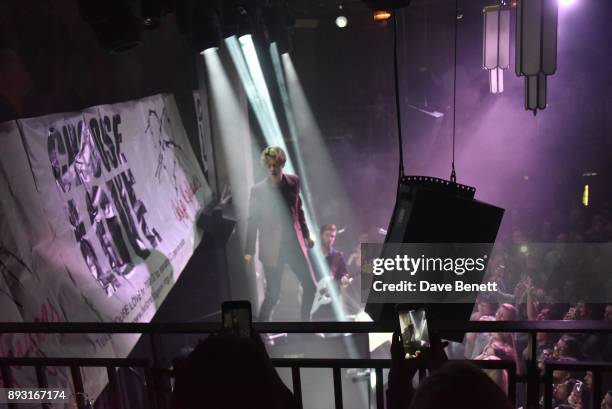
(229, 372)
(562, 391)
(606, 402)
(475, 343)
(567, 347)
(459, 385)
(449, 385)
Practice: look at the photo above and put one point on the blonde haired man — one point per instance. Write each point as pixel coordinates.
(276, 214)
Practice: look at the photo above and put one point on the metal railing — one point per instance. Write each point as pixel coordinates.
(378, 365)
(75, 365)
(153, 369)
(597, 368)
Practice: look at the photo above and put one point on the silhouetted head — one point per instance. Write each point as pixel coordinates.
(229, 372)
(506, 312)
(459, 385)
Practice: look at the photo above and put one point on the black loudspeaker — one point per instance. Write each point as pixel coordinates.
(432, 210)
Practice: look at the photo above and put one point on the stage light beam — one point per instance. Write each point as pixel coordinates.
(231, 124)
(245, 59)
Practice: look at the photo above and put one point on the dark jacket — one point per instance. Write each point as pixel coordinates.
(275, 218)
(336, 263)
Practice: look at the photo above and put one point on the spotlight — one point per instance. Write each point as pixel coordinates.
(151, 11)
(245, 39)
(113, 23)
(341, 21)
(566, 2)
(236, 20)
(199, 23)
(206, 40)
(209, 50)
(381, 15)
(279, 25)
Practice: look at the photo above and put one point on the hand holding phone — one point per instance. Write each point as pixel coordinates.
(413, 331)
(236, 317)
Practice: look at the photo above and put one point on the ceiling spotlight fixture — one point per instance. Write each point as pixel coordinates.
(236, 19)
(209, 50)
(567, 2)
(279, 25)
(151, 11)
(381, 15)
(114, 24)
(496, 45)
(199, 23)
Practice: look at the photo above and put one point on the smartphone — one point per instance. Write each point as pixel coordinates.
(575, 397)
(413, 330)
(237, 318)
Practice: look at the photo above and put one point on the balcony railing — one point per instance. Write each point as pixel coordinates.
(153, 370)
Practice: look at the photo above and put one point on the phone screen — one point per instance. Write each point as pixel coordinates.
(414, 332)
(238, 321)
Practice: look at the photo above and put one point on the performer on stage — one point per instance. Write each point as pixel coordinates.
(335, 258)
(338, 277)
(275, 211)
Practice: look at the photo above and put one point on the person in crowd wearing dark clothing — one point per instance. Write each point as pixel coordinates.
(450, 385)
(580, 397)
(606, 402)
(229, 372)
(562, 391)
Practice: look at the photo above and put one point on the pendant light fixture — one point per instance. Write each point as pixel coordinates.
(496, 45)
(536, 48)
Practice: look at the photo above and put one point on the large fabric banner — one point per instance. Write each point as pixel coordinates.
(97, 221)
(201, 108)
